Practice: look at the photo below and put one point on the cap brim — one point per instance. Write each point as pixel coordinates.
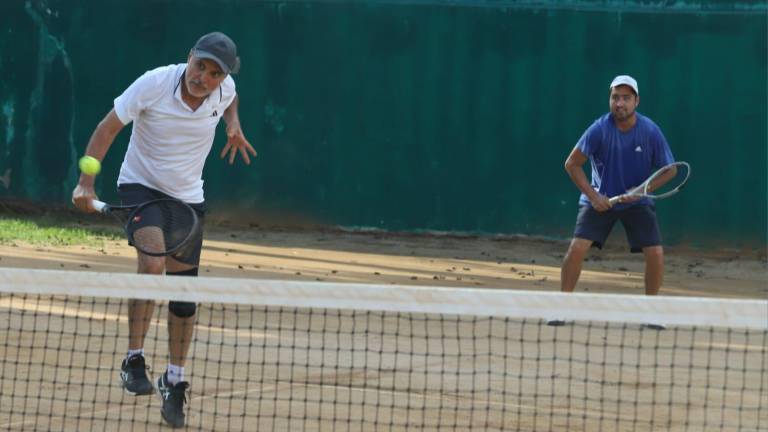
(224, 68)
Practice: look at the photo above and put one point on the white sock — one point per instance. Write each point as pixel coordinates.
(133, 352)
(174, 374)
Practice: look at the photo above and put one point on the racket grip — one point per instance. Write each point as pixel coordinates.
(99, 205)
(614, 200)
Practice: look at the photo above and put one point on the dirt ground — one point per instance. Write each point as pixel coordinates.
(409, 259)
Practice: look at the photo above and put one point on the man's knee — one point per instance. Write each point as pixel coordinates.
(183, 309)
(151, 265)
(578, 248)
(654, 253)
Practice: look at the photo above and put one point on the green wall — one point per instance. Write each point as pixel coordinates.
(408, 115)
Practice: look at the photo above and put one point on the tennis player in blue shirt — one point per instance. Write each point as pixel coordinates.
(623, 148)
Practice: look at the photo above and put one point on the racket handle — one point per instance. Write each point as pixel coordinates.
(99, 205)
(636, 191)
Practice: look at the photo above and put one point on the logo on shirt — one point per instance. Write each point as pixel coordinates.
(638, 149)
(215, 113)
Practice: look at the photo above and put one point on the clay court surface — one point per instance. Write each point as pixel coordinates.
(409, 259)
(340, 256)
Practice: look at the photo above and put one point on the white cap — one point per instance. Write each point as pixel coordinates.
(625, 80)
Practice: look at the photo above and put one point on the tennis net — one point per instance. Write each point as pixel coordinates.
(287, 356)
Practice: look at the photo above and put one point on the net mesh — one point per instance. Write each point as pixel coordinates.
(283, 356)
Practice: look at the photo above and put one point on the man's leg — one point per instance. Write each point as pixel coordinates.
(592, 227)
(643, 234)
(181, 322)
(181, 317)
(133, 371)
(139, 317)
(140, 311)
(571, 270)
(180, 331)
(654, 269)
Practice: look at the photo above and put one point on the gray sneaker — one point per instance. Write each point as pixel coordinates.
(133, 375)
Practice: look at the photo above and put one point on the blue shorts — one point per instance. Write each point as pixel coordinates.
(134, 193)
(639, 222)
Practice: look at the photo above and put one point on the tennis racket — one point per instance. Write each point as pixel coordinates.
(664, 183)
(158, 227)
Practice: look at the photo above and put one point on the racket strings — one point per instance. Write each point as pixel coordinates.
(668, 180)
(162, 226)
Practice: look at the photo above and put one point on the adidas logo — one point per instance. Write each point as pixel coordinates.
(638, 149)
(215, 113)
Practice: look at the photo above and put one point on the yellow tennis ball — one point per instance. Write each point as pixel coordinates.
(89, 165)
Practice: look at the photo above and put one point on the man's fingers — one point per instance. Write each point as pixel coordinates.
(237, 143)
(84, 204)
(244, 155)
(232, 154)
(225, 150)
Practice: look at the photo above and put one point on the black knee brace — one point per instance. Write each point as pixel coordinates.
(191, 272)
(182, 309)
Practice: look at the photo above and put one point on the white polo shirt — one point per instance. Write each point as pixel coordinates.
(169, 142)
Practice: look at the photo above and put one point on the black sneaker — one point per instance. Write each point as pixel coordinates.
(174, 397)
(133, 374)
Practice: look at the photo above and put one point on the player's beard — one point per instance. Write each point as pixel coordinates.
(195, 89)
(622, 114)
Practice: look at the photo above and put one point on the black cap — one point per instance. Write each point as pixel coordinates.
(220, 48)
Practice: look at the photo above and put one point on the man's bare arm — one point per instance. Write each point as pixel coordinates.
(101, 140)
(574, 168)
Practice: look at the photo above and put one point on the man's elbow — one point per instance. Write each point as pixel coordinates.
(110, 126)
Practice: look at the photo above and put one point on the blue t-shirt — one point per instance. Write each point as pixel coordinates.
(623, 160)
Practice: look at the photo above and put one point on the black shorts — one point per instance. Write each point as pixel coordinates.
(134, 193)
(639, 222)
